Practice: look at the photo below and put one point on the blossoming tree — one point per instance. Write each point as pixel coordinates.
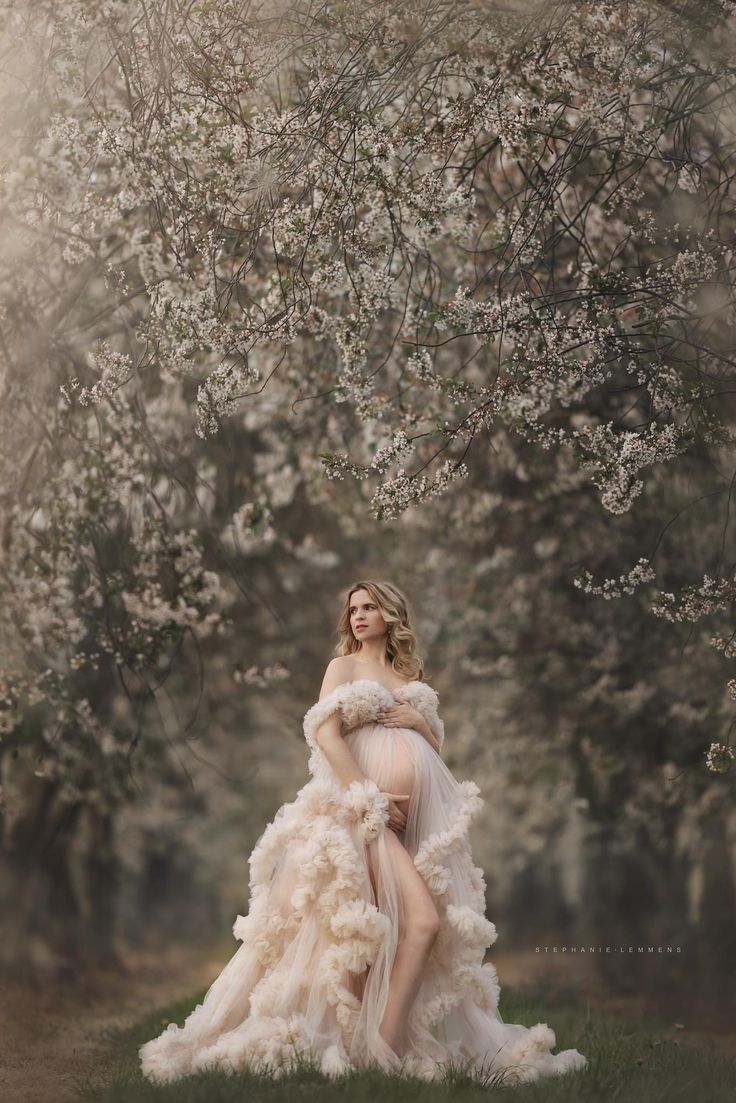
(404, 233)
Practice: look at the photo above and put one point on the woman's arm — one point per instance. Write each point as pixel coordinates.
(329, 734)
(336, 751)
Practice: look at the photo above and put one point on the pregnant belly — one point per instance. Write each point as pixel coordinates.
(385, 756)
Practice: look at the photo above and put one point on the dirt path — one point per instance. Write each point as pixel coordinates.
(50, 1036)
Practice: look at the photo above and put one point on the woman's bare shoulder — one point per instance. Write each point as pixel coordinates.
(339, 670)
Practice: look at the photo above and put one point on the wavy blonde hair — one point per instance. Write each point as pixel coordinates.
(401, 640)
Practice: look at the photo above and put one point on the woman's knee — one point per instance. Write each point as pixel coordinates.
(424, 926)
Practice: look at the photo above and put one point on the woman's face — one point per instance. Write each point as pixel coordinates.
(365, 617)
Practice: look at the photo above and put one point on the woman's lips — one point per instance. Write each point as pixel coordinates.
(359, 626)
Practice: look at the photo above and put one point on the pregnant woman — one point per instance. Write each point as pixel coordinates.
(366, 930)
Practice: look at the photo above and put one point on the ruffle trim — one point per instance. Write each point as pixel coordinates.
(270, 1044)
(332, 884)
(465, 931)
(276, 1046)
(530, 1057)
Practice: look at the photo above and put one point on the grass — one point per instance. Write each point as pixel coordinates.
(632, 1060)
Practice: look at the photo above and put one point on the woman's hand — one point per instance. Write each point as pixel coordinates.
(396, 818)
(400, 715)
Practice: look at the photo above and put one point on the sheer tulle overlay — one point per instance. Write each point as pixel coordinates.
(325, 917)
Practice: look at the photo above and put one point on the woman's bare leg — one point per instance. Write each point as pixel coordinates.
(418, 929)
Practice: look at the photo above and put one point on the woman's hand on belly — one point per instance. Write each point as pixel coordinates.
(396, 814)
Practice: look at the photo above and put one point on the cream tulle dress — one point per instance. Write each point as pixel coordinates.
(312, 974)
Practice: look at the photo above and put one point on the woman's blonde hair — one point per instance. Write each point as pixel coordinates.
(401, 639)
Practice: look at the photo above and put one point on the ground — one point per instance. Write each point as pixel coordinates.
(51, 1037)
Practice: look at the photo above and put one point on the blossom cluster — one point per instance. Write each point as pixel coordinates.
(615, 459)
(712, 595)
(627, 583)
(719, 757)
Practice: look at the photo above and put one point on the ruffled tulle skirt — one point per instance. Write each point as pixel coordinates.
(327, 890)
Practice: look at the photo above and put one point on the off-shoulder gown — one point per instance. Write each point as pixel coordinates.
(312, 974)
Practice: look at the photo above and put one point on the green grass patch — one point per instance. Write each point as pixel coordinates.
(630, 1059)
